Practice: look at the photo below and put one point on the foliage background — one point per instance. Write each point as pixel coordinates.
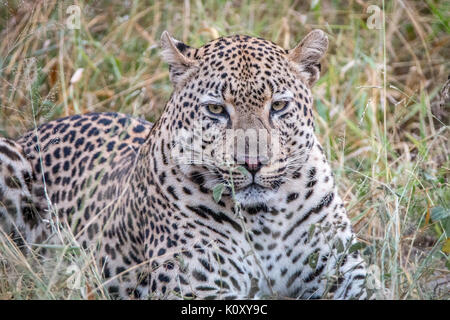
(386, 137)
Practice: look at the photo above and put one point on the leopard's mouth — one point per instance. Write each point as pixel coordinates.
(253, 195)
(247, 193)
(252, 187)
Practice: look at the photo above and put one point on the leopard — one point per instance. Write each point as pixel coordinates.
(173, 209)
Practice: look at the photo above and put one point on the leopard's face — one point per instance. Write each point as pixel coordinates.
(241, 114)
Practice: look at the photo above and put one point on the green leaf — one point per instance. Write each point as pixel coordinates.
(439, 213)
(339, 245)
(242, 170)
(446, 246)
(217, 192)
(443, 216)
(429, 177)
(115, 63)
(312, 260)
(322, 110)
(311, 230)
(356, 246)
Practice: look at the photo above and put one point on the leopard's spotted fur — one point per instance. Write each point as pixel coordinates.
(153, 223)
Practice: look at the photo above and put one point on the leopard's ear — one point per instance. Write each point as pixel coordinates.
(179, 56)
(307, 54)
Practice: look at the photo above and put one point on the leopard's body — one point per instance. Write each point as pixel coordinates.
(279, 229)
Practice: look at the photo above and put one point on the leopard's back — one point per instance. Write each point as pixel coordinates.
(81, 163)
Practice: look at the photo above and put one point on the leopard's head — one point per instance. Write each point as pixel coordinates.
(241, 112)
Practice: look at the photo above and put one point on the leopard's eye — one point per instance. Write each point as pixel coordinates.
(279, 105)
(215, 108)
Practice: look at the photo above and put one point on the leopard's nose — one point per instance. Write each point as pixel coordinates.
(251, 164)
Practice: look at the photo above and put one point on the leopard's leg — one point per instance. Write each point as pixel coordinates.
(335, 271)
(322, 244)
(351, 271)
(343, 270)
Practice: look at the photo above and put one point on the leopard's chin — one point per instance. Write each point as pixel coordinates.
(254, 195)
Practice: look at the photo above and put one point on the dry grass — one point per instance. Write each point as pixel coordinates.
(387, 145)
